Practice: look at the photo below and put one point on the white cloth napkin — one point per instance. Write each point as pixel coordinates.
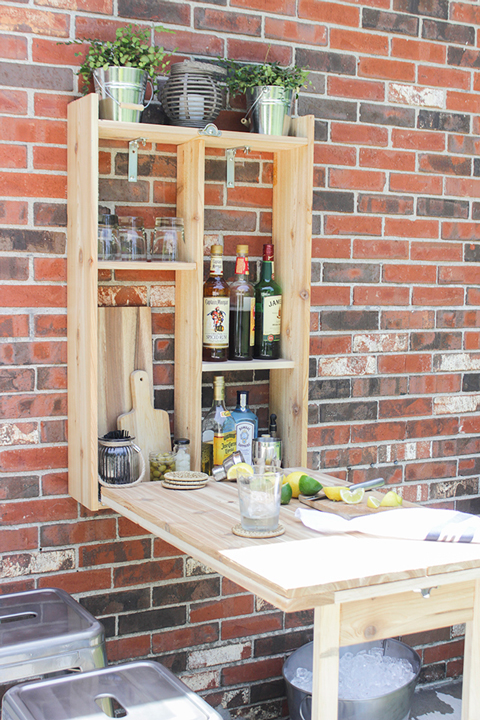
(404, 523)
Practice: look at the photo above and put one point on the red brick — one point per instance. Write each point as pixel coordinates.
(16, 540)
(473, 296)
(463, 275)
(78, 581)
(257, 51)
(462, 187)
(380, 295)
(96, 6)
(349, 225)
(461, 230)
(431, 384)
(244, 196)
(407, 407)
(354, 41)
(119, 649)
(39, 510)
(292, 31)
(33, 130)
(317, 11)
(330, 295)
(430, 470)
(378, 432)
(51, 325)
(470, 425)
(46, 158)
(420, 50)
(13, 102)
(225, 608)
(53, 431)
(440, 296)
(147, 572)
(33, 459)
(463, 102)
(114, 552)
(330, 435)
(403, 227)
(13, 212)
(37, 405)
(13, 47)
(251, 625)
(161, 548)
(443, 77)
(55, 483)
(252, 671)
(32, 185)
(330, 344)
(380, 249)
(78, 532)
(356, 179)
(27, 353)
(398, 364)
(387, 159)
(51, 378)
(353, 88)
(331, 247)
(51, 105)
(359, 134)
(127, 528)
(418, 140)
(409, 274)
(416, 184)
(386, 69)
(334, 154)
(169, 640)
(13, 156)
(50, 269)
(471, 341)
(17, 587)
(437, 251)
(14, 326)
(28, 20)
(203, 43)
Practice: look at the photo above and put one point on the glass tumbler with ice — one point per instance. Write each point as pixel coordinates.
(259, 496)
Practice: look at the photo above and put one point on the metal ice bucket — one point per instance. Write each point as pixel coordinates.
(122, 91)
(394, 705)
(269, 109)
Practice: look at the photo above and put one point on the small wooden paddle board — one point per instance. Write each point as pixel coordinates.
(150, 427)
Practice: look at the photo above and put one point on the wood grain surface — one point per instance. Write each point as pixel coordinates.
(149, 427)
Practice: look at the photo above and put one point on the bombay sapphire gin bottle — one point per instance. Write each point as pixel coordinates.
(246, 426)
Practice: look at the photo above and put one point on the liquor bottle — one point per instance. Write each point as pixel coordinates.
(272, 428)
(216, 307)
(246, 426)
(242, 310)
(218, 429)
(268, 308)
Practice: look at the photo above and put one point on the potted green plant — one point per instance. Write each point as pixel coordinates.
(270, 89)
(120, 70)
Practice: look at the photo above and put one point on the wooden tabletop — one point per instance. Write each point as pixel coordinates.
(300, 569)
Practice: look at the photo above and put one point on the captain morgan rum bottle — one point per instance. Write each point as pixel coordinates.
(216, 310)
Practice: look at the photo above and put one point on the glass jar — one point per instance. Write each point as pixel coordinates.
(133, 245)
(181, 448)
(167, 238)
(161, 463)
(120, 461)
(108, 242)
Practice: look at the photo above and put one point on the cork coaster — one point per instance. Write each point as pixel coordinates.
(238, 530)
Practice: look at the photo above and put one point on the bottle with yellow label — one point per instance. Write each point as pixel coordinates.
(268, 310)
(218, 429)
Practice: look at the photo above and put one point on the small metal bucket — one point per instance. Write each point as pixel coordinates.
(394, 705)
(270, 110)
(122, 92)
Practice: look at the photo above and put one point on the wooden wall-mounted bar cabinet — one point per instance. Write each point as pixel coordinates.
(292, 201)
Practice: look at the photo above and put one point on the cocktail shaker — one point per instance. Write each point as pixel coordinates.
(219, 472)
(267, 450)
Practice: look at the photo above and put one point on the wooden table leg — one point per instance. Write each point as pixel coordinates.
(471, 668)
(326, 640)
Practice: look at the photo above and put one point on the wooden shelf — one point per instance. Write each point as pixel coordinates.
(232, 365)
(153, 265)
(291, 231)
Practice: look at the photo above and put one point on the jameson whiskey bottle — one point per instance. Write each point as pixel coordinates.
(218, 429)
(268, 310)
(216, 308)
(242, 310)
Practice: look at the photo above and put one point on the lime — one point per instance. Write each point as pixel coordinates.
(293, 480)
(333, 493)
(352, 497)
(239, 469)
(286, 495)
(373, 502)
(308, 485)
(391, 499)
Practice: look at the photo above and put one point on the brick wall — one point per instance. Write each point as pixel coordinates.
(395, 349)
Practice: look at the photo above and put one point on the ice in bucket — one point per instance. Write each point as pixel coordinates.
(259, 496)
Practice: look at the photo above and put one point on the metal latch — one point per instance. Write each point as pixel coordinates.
(425, 591)
(230, 155)
(210, 130)
(133, 158)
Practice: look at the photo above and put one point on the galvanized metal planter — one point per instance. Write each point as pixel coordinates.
(269, 109)
(122, 92)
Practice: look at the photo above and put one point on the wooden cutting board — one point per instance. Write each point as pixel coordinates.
(150, 427)
(341, 508)
(124, 345)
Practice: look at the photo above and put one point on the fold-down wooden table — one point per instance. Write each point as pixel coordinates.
(361, 588)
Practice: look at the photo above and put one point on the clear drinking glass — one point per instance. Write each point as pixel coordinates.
(167, 237)
(259, 496)
(133, 244)
(108, 242)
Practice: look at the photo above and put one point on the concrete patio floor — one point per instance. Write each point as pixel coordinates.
(443, 701)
